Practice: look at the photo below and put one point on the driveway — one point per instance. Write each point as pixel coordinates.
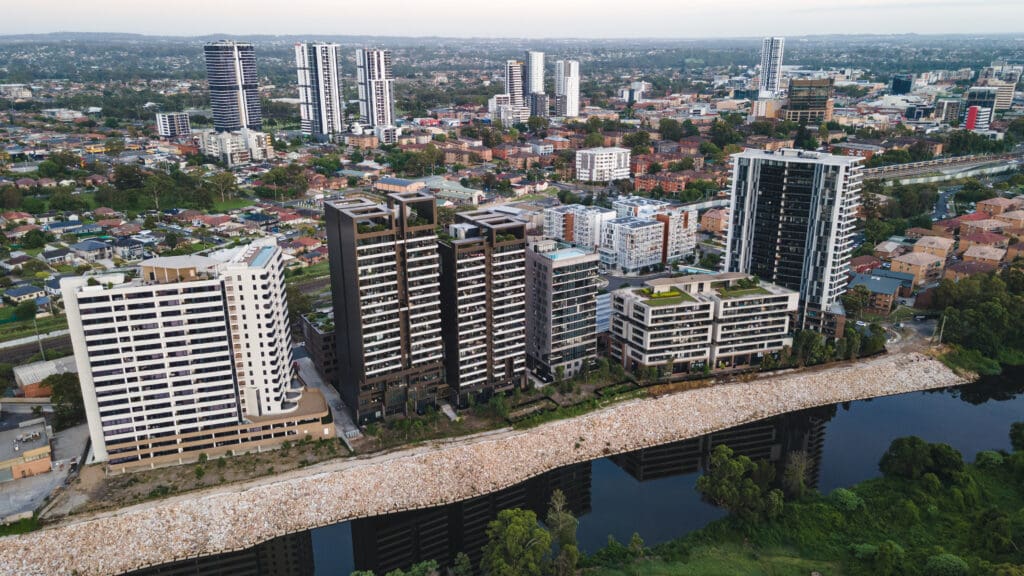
(344, 425)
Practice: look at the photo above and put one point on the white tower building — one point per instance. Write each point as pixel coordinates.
(771, 65)
(376, 87)
(320, 105)
(567, 88)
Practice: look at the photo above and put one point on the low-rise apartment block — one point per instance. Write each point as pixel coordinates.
(577, 224)
(631, 245)
(685, 324)
(602, 164)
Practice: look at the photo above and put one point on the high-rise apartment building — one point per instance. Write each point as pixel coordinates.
(234, 86)
(376, 87)
(533, 77)
(540, 105)
(771, 65)
(679, 224)
(602, 164)
(321, 108)
(561, 307)
(387, 302)
(173, 124)
(483, 284)
(948, 109)
(567, 88)
(514, 85)
(810, 101)
(631, 245)
(977, 118)
(577, 224)
(192, 354)
(792, 224)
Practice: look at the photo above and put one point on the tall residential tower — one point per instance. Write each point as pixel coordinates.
(514, 86)
(793, 218)
(376, 87)
(234, 86)
(534, 73)
(567, 88)
(320, 103)
(771, 65)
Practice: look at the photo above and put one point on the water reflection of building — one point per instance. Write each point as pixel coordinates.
(770, 440)
(290, 555)
(384, 543)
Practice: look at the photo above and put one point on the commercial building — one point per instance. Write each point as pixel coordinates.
(561, 303)
(602, 164)
(901, 84)
(376, 87)
(771, 65)
(193, 354)
(25, 451)
(948, 110)
(534, 73)
(321, 108)
(567, 88)
(386, 292)
(577, 224)
(793, 224)
(992, 94)
(236, 148)
(173, 124)
(810, 101)
(483, 312)
(681, 325)
(234, 86)
(514, 83)
(631, 245)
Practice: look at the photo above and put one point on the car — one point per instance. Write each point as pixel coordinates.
(861, 323)
(920, 318)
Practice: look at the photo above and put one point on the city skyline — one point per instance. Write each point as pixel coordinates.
(787, 17)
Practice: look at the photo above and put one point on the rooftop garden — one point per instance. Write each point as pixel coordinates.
(668, 297)
(744, 287)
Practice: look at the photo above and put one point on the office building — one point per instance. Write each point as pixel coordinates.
(793, 224)
(948, 110)
(770, 79)
(577, 224)
(810, 101)
(386, 292)
(321, 108)
(234, 86)
(991, 93)
(631, 245)
(901, 84)
(173, 124)
(682, 325)
(376, 87)
(561, 308)
(236, 148)
(483, 313)
(192, 354)
(514, 86)
(533, 77)
(567, 88)
(602, 164)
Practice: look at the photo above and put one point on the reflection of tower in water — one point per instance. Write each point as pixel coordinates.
(772, 440)
(384, 543)
(290, 555)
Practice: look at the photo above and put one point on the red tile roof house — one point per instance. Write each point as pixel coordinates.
(19, 217)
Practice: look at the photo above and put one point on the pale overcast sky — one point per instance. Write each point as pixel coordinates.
(515, 18)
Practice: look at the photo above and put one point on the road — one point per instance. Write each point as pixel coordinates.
(942, 203)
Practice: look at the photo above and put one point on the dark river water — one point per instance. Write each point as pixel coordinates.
(650, 491)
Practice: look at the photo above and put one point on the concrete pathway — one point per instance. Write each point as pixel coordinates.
(344, 425)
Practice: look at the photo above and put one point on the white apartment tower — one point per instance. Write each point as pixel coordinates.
(320, 103)
(483, 284)
(376, 87)
(514, 86)
(173, 124)
(577, 224)
(793, 223)
(567, 88)
(234, 86)
(632, 245)
(534, 73)
(771, 66)
(602, 164)
(561, 311)
(193, 353)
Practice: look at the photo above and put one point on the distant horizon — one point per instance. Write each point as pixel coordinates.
(533, 19)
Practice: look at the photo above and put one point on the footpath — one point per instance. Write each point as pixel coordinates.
(239, 516)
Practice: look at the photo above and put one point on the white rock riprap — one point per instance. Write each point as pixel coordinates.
(236, 517)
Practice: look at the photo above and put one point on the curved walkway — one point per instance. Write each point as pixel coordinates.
(240, 516)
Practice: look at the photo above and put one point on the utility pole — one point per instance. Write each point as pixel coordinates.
(38, 338)
(941, 328)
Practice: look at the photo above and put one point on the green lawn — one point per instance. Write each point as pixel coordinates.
(16, 330)
(737, 292)
(231, 204)
(311, 272)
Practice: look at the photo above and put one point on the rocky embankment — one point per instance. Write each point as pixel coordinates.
(239, 516)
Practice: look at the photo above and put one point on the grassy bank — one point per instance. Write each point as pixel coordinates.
(929, 515)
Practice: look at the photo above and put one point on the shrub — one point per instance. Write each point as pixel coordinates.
(846, 500)
(946, 565)
(988, 459)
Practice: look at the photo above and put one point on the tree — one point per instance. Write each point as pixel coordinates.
(856, 300)
(909, 457)
(34, 239)
(171, 240)
(593, 140)
(670, 129)
(562, 526)
(794, 476)
(738, 484)
(223, 184)
(537, 123)
(946, 565)
(25, 310)
(654, 168)
(690, 129)
(722, 134)
(1017, 436)
(462, 565)
(516, 545)
(66, 397)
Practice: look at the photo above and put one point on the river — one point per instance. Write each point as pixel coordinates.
(650, 491)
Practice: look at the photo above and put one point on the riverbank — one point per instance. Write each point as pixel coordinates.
(239, 516)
